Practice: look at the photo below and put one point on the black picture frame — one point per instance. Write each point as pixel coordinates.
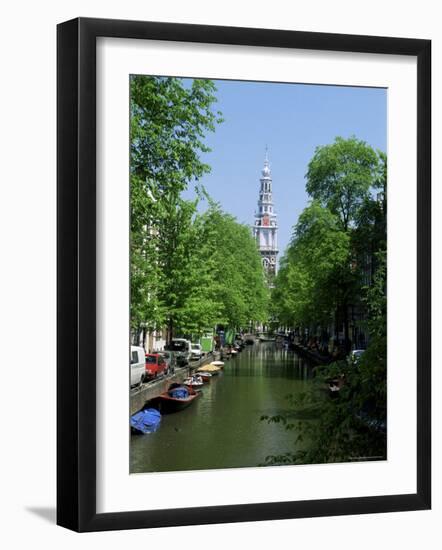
(76, 274)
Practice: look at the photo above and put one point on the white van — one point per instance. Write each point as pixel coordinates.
(137, 365)
(181, 348)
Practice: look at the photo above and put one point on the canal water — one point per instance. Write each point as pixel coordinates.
(222, 428)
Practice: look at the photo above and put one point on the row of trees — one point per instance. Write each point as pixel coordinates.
(189, 270)
(337, 261)
(336, 241)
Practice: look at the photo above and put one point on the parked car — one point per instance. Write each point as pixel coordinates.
(137, 366)
(155, 365)
(169, 360)
(196, 352)
(181, 350)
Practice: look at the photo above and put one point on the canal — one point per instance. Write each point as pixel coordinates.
(222, 429)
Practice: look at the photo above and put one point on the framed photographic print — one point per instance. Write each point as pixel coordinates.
(243, 274)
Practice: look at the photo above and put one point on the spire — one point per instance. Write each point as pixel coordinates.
(266, 169)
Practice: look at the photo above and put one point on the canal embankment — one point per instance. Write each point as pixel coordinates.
(314, 356)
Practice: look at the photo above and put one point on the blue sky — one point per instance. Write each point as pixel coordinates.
(291, 119)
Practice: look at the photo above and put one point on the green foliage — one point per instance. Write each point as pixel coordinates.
(310, 282)
(216, 275)
(351, 426)
(337, 258)
(189, 271)
(168, 123)
(340, 175)
(239, 283)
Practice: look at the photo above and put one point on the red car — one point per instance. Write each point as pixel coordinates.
(155, 365)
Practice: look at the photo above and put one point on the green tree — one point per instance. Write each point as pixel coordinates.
(184, 271)
(353, 425)
(169, 120)
(340, 176)
(348, 180)
(239, 285)
(315, 276)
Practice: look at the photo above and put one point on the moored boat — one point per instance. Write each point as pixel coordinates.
(206, 377)
(213, 369)
(177, 398)
(146, 421)
(195, 381)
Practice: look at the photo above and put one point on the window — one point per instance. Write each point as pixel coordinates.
(177, 346)
(134, 358)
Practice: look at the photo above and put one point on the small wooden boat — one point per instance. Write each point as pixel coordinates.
(177, 398)
(206, 377)
(218, 363)
(213, 369)
(195, 381)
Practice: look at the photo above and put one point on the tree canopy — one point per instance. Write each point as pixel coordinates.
(340, 175)
(336, 260)
(189, 270)
(309, 283)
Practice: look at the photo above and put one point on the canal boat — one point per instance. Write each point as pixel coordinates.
(206, 377)
(177, 398)
(213, 369)
(218, 363)
(195, 381)
(146, 421)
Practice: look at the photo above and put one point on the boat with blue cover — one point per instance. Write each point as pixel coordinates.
(177, 397)
(146, 421)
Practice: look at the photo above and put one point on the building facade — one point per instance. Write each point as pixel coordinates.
(265, 229)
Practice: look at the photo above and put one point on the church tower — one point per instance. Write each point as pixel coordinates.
(265, 229)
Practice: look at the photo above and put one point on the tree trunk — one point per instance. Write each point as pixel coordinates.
(169, 330)
(346, 328)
